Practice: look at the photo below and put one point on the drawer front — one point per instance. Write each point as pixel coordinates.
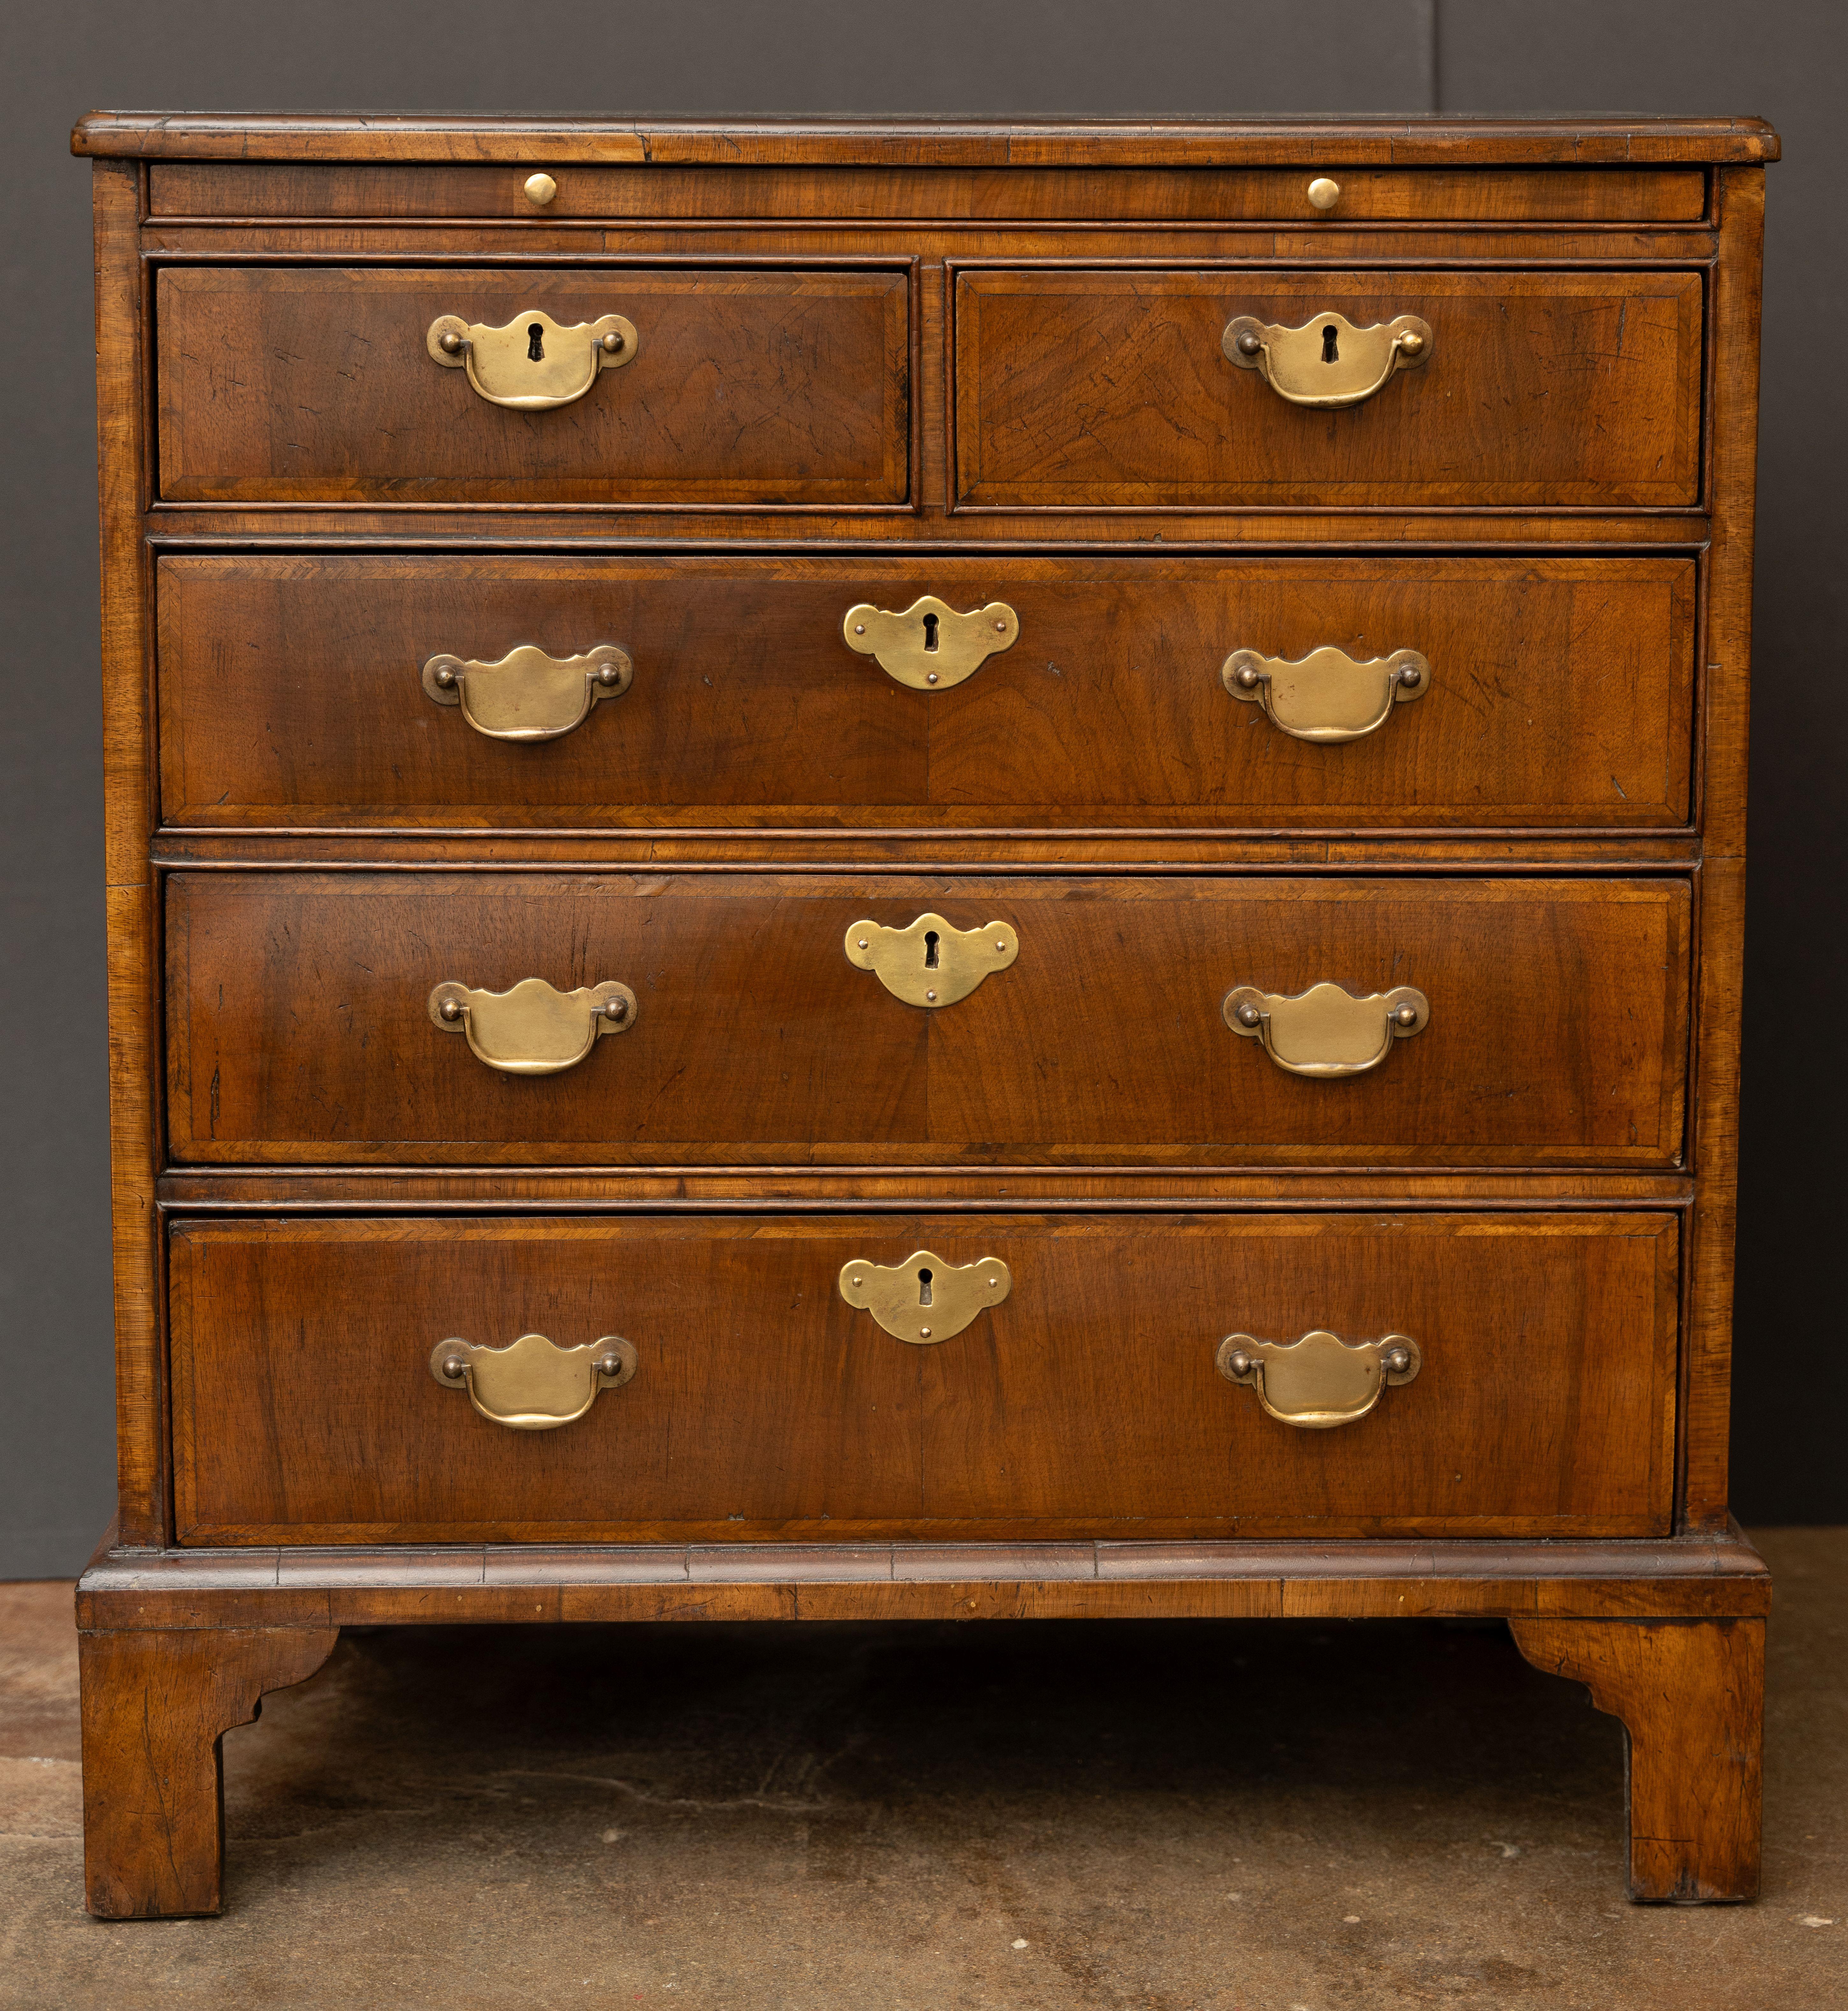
(303, 1020)
(1111, 390)
(1089, 1401)
(907, 194)
(314, 385)
(1558, 692)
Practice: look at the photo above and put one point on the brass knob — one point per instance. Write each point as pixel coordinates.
(1403, 1015)
(1239, 1362)
(1248, 1015)
(1249, 344)
(1412, 343)
(454, 1367)
(540, 189)
(450, 342)
(1412, 675)
(1395, 1361)
(1323, 193)
(612, 344)
(1249, 677)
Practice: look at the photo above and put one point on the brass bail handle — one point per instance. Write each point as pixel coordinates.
(532, 364)
(531, 1028)
(923, 1300)
(533, 1385)
(1327, 364)
(1327, 1031)
(930, 963)
(526, 694)
(1328, 695)
(1320, 1380)
(930, 647)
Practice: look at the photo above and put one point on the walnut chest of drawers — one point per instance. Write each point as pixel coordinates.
(922, 871)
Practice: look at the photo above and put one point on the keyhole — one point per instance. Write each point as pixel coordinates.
(930, 959)
(930, 631)
(1330, 353)
(535, 345)
(923, 1288)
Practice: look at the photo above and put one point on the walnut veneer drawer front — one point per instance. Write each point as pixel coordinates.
(622, 1020)
(297, 690)
(1104, 195)
(749, 1398)
(317, 385)
(1101, 390)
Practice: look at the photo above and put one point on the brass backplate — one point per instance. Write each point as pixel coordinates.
(930, 963)
(1328, 363)
(930, 647)
(532, 1029)
(527, 695)
(924, 1300)
(532, 1385)
(1327, 695)
(532, 363)
(1321, 1380)
(1327, 1031)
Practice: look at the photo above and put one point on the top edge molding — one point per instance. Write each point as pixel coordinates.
(464, 138)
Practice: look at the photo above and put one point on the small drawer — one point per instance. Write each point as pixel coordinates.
(716, 1380)
(1093, 390)
(608, 384)
(800, 1019)
(654, 192)
(297, 690)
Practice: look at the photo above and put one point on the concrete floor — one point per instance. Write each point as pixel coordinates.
(1056, 1816)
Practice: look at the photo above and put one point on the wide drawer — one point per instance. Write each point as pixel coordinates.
(1115, 390)
(311, 1404)
(1161, 196)
(324, 384)
(294, 691)
(1075, 1020)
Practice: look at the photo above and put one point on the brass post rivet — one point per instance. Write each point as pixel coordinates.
(1406, 1015)
(930, 677)
(930, 995)
(1248, 1015)
(858, 1281)
(1397, 1360)
(608, 674)
(449, 342)
(1411, 676)
(1323, 193)
(540, 189)
(1249, 677)
(454, 1367)
(1249, 344)
(445, 676)
(862, 942)
(451, 1008)
(612, 344)
(1000, 946)
(1000, 627)
(923, 1333)
(1239, 1362)
(859, 627)
(618, 1009)
(1412, 344)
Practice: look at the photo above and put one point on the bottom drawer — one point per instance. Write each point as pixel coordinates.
(1497, 1374)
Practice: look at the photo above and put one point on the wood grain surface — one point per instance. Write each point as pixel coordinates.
(155, 1704)
(1086, 1404)
(842, 194)
(1109, 389)
(310, 384)
(298, 1029)
(1691, 1696)
(1562, 693)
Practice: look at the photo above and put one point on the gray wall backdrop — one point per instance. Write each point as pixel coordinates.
(1782, 59)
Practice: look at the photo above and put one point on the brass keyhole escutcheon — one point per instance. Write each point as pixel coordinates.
(1327, 363)
(930, 647)
(532, 363)
(931, 964)
(923, 1300)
